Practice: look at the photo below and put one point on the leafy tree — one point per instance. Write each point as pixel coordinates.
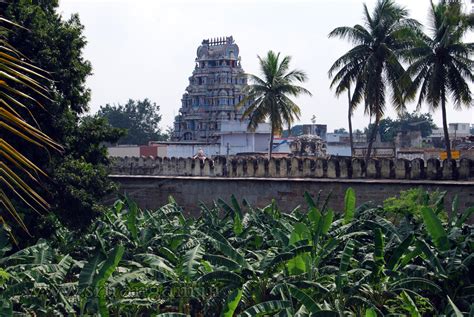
(442, 63)
(340, 130)
(384, 129)
(139, 118)
(406, 121)
(56, 45)
(84, 169)
(269, 96)
(373, 64)
(18, 79)
(416, 121)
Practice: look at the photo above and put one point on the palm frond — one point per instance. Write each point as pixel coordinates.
(21, 85)
(266, 97)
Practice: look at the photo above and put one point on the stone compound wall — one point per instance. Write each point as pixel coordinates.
(334, 168)
(151, 181)
(152, 192)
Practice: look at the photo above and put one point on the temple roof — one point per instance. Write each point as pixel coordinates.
(220, 48)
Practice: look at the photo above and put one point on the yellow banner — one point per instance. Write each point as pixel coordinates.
(454, 155)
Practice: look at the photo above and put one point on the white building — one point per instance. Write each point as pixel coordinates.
(124, 150)
(455, 130)
(338, 144)
(233, 138)
(338, 149)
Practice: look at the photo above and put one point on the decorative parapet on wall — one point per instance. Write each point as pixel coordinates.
(417, 169)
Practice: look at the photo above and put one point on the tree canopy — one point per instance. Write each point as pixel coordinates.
(56, 45)
(140, 119)
(340, 130)
(388, 128)
(20, 89)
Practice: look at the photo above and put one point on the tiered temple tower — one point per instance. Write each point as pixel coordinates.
(215, 87)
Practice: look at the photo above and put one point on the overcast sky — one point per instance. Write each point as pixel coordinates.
(146, 48)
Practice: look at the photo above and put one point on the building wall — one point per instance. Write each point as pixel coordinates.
(123, 151)
(244, 142)
(457, 130)
(261, 142)
(242, 126)
(149, 150)
(190, 181)
(162, 150)
(238, 143)
(189, 150)
(333, 137)
(281, 145)
(338, 149)
(460, 128)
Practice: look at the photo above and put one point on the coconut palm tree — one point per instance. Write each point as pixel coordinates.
(373, 65)
(20, 89)
(269, 97)
(441, 64)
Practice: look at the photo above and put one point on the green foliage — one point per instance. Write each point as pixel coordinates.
(4, 276)
(20, 89)
(231, 304)
(78, 176)
(312, 262)
(77, 204)
(103, 275)
(405, 122)
(411, 203)
(435, 229)
(349, 205)
(266, 308)
(340, 130)
(140, 119)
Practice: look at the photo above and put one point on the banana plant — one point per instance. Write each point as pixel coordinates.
(236, 260)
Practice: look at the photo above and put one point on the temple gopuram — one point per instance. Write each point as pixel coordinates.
(215, 87)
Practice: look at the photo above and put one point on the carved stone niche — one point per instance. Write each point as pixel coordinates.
(449, 169)
(433, 169)
(358, 168)
(308, 145)
(465, 166)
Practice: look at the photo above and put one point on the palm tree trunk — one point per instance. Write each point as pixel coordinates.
(349, 117)
(372, 137)
(445, 126)
(270, 146)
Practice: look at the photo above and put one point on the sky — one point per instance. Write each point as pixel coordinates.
(146, 48)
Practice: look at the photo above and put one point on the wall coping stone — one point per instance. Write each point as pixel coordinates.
(297, 167)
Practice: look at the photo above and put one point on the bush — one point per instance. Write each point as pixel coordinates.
(411, 202)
